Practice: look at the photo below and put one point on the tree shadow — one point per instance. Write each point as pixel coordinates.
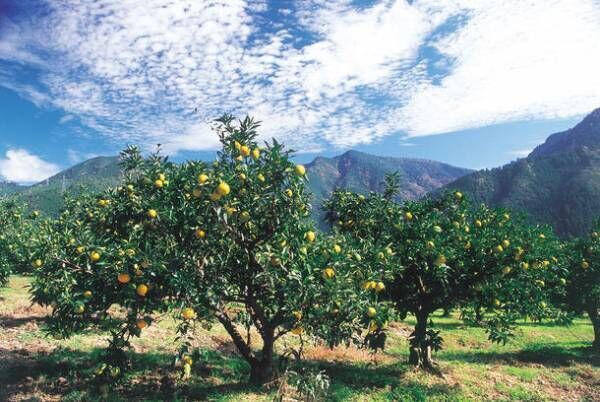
(547, 355)
(7, 321)
(64, 371)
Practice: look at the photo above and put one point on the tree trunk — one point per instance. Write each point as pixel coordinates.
(420, 349)
(595, 318)
(478, 314)
(262, 370)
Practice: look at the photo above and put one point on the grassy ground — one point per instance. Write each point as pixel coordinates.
(545, 362)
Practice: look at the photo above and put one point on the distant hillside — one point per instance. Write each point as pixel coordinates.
(7, 188)
(558, 183)
(93, 174)
(353, 170)
(362, 172)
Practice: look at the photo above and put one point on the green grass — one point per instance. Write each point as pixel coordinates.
(545, 362)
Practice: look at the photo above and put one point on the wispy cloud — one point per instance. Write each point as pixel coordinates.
(323, 74)
(21, 166)
(521, 153)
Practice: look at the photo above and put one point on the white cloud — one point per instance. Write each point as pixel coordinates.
(330, 74)
(513, 60)
(521, 153)
(20, 166)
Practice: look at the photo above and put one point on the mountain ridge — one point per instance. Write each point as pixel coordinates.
(558, 183)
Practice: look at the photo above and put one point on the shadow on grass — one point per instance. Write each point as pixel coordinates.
(547, 355)
(69, 373)
(7, 321)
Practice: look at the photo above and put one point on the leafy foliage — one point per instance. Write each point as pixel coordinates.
(229, 242)
(443, 253)
(583, 282)
(17, 228)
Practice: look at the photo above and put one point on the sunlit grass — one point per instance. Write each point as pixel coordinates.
(544, 362)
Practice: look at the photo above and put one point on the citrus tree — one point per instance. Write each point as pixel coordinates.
(16, 229)
(441, 252)
(229, 242)
(583, 281)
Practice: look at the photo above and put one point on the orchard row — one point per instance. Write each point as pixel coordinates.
(232, 242)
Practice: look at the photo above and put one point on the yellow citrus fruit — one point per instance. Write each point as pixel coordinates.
(380, 287)
(158, 183)
(244, 150)
(497, 303)
(371, 312)
(300, 170)
(223, 188)
(87, 294)
(437, 229)
(215, 196)
(37, 263)
(123, 278)
(152, 214)
(188, 360)
(310, 236)
(506, 270)
(440, 260)
(80, 249)
(202, 178)
(499, 248)
(245, 216)
(256, 153)
(242, 176)
(524, 265)
(289, 192)
(237, 145)
(297, 315)
(297, 330)
(188, 313)
(141, 290)
(79, 309)
(478, 223)
(337, 249)
(260, 177)
(505, 243)
(585, 264)
(94, 256)
(430, 245)
(200, 234)
(408, 216)
(328, 273)
(458, 195)
(141, 324)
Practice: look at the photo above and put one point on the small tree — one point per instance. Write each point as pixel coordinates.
(583, 281)
(441, 253)
(230, 242)
(16, 229)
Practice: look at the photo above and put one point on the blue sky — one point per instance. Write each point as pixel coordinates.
(471, 83)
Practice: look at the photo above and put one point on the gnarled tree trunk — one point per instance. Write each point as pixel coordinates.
(262, 365)
(420, 349)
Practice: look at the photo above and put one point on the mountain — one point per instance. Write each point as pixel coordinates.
(8, 188)
(93, 174)
(362, 172)
(557, 183)
(353, 170)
